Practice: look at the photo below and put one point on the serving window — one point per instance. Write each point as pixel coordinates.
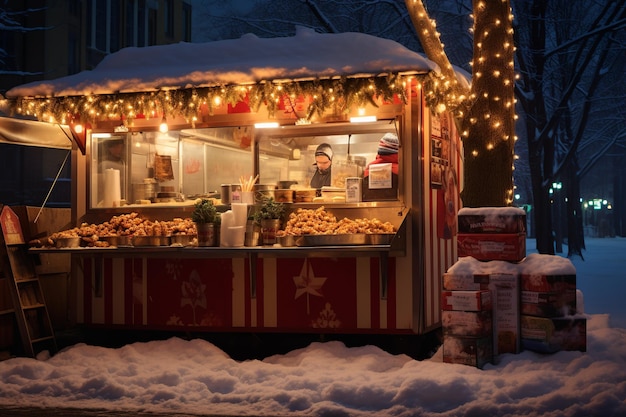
(166, 168)
(288, 155)
(134, 168)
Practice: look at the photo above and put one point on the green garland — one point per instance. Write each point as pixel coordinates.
(338, 95)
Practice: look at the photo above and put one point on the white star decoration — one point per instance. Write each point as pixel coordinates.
(307, 283)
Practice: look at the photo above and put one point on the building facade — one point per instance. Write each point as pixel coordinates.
(51, 39)
(58, 38)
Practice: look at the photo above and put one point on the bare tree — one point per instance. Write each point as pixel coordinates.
(563, 69)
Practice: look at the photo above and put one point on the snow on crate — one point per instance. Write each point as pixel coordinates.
(535, 303)
(548, 286)
(492, 220)
(492, 233)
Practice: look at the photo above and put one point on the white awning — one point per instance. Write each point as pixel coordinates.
(33, 133)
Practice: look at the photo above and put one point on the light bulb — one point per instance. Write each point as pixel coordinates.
(163, 127)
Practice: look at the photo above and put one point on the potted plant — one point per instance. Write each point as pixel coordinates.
(205, 216)
(269, 215)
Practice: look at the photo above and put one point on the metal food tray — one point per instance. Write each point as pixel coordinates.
(354, 239)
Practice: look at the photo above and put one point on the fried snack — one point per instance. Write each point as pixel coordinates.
(131, 224)
(321, 222)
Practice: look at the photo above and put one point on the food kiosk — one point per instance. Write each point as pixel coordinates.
(217, 134)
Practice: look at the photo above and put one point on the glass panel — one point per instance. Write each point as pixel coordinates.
(289, 154)
(178, 166)
(215, 156)
(109, 183)
(171, 167)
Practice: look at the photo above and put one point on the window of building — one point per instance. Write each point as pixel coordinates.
(168, 17)
(186, 22)
(115, 26)
(152, 27)
(141, 16)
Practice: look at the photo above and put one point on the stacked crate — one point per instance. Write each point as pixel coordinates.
(501, 281)
(467, 320)
(487, 234)
(492, 233)
(549, 322)
(533, 297)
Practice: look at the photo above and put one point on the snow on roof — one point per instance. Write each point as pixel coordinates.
(249, 59)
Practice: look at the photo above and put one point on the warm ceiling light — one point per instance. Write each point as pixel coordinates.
(266, 125)
(363, 119)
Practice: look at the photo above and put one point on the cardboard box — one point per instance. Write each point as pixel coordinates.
(466, 300)
(465, 282)
(471, 351)
(492, 220)
(549, 304)
(49, 220)
(492, 247)
(467, 323)
(553, 334)
(548, 283)
(505, 291)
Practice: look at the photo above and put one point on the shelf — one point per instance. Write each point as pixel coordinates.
(7, 311)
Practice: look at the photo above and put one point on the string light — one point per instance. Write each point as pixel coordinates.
(328, 94)
(163, 127)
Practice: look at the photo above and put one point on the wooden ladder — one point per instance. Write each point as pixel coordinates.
(29, 305)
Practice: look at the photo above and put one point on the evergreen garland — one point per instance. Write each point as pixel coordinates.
(338, 95)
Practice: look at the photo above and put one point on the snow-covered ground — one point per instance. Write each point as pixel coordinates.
(330, 379)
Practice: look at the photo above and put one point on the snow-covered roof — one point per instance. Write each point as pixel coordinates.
(249, 59)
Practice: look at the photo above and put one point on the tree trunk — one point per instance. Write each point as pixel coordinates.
(533, 102)
(490, 123)
(488, 128)
(575, 235)
(619, 195)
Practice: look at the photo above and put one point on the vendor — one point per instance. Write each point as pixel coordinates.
(387, 153)
(323, 162)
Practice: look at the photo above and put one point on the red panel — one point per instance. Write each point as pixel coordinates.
(316, 293)
(260, 294)
(108, 289)
(137, 289)
(193, 292)
(87, 289)
(391, 294)
(374, 294)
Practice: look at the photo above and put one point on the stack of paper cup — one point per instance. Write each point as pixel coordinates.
(236, 235)
(240, 212)
(238, 228)
(112, 188)
(227, 221)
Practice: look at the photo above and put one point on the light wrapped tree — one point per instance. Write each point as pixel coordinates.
(485, 114)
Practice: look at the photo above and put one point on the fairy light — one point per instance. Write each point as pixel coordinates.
(325, 95)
